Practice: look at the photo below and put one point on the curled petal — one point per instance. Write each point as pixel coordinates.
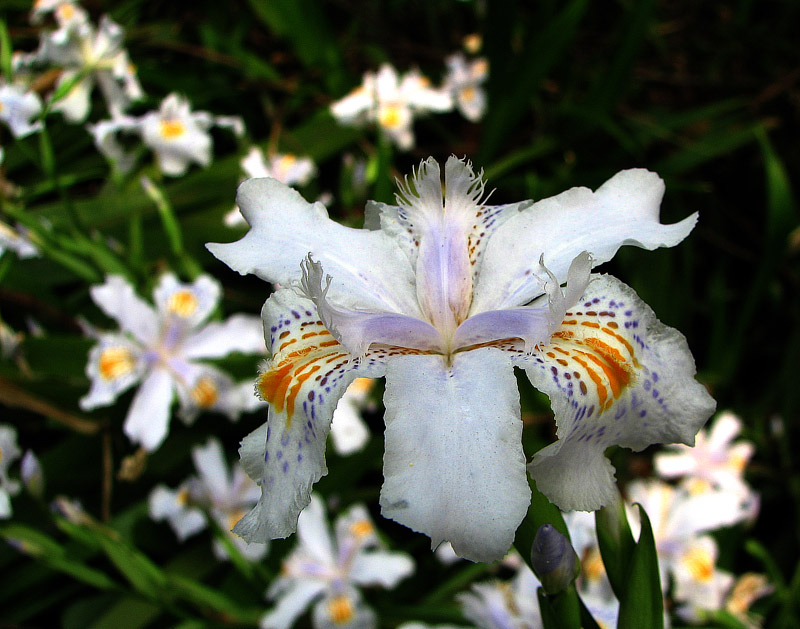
(356, 329)
(615, 375)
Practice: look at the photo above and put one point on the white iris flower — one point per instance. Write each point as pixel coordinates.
(444, 296)
(20, 109)
(391, 102)
(177, 135)
(224, 494)
(161, 348)
(9, 452)
(90, 55)
(463, 81)
(329, 570)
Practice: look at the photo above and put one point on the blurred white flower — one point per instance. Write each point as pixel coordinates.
(463, 81)
(332, 570)
(391, 102)
(32, 474)
(748, 588)
(284, 167)
(9, 452)
(500, 605)
(17, 241)
(90, 55)
(19, 108)
(679, 520)
(224, 494)
(161, 348)
(348, 430)
(714, 463)
(68, 15)
(176, 134)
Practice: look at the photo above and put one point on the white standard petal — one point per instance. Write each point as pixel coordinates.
(308, 373)
(615, 375)
(367, 268)
(379, 567)
(119, 301)
(623, 211)
(147, 422)
(454, 467)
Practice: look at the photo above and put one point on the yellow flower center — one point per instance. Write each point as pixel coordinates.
(361, 528)
(205, 393)
(115, 362)
(390, 116)
(182, 497)
(182, 303)
(593, 567)
(65, 12)
(234, 517)
(340, 610)
(468, 94)
(171, 129)
(283, 165)
(700, 564)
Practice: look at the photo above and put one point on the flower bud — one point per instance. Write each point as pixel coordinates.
(32, 475)
(554, 560)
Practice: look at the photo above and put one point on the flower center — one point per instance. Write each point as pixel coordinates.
(700, 564)
(115, 362)
(182, 303)
(390, 116)
(340, 610)
(205, 393)
(361, 529)
(172, 129)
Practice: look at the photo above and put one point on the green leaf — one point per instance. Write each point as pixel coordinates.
(616, 544)
(642, 604)
(561, 611)
(52, 554)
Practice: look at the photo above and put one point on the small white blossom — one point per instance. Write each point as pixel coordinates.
(679, 521)
(348, 430)
(19, 109)
(286, 168)
(177, 135)
(223, 494)
(463, 81)
(501, 605)
(9, 452)
(161, 348)
(17, 241)
(714, 463)
(330, 570)
(90, 55)
(391, 102)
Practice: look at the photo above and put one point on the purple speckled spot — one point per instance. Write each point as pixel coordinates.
(266, 456)
(642, 413)
(647, 384)
(269, 431)
(295, 314)
(655, 393)
(274, 328)
(280, 454)
(285, 439)
(285, 466)
(299, 458)
(654, 376)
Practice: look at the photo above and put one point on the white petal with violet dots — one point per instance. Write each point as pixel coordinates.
(454, 467)
(615, 375)
(308, 373)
